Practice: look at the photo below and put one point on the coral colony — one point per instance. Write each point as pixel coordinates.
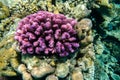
(48, 33)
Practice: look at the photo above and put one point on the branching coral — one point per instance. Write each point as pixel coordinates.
(47, 32)
(23, 8)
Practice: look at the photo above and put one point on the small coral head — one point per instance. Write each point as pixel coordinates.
(48, 33)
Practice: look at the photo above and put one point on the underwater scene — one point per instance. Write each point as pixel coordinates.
(59, 39)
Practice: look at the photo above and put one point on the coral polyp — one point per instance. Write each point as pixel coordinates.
(46, 32)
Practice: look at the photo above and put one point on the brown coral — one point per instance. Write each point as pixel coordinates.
(84, 31)
(86, 62)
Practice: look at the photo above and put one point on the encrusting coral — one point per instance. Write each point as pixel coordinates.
(84, 31)
(47, 32)
(34, 67)
(86, 63)
(8, 57)
(8, 54)
(77, 75)
(23, 70)
(62, 70)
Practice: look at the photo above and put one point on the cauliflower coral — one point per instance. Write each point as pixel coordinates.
(48, 33)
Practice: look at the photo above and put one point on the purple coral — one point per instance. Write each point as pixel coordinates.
(48, 33)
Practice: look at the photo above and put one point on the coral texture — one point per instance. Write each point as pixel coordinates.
(48, 33)
(84, 31)
(8, 55)
(4, 11)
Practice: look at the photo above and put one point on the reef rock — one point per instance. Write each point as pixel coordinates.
(41, 71)
(62, 70)
(51, 77)
(77, 75)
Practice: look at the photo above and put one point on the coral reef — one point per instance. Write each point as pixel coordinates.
(107, 62)
(48, 33)
(62, 68)
(10, 3)
(23, 8)
(42, 70)
(84, 32)
(75, 9)
(83, 64)
(4, 11)
(107, 58)
(78, 12)
(47, 67)
(109, 23)
(8, 56)
(23, 70)
(35, 68)
(86, 62)
(107, 42)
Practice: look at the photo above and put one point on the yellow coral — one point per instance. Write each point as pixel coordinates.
(4, 11)
(8, 73)
(14, 63)
(8, 56)
(2, 64)
(6, 40)
(105, 3)
(52, 63)
(49, 5)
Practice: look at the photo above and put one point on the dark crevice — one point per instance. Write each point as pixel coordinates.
(110, 38)
(18, 77)
(97, 20)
